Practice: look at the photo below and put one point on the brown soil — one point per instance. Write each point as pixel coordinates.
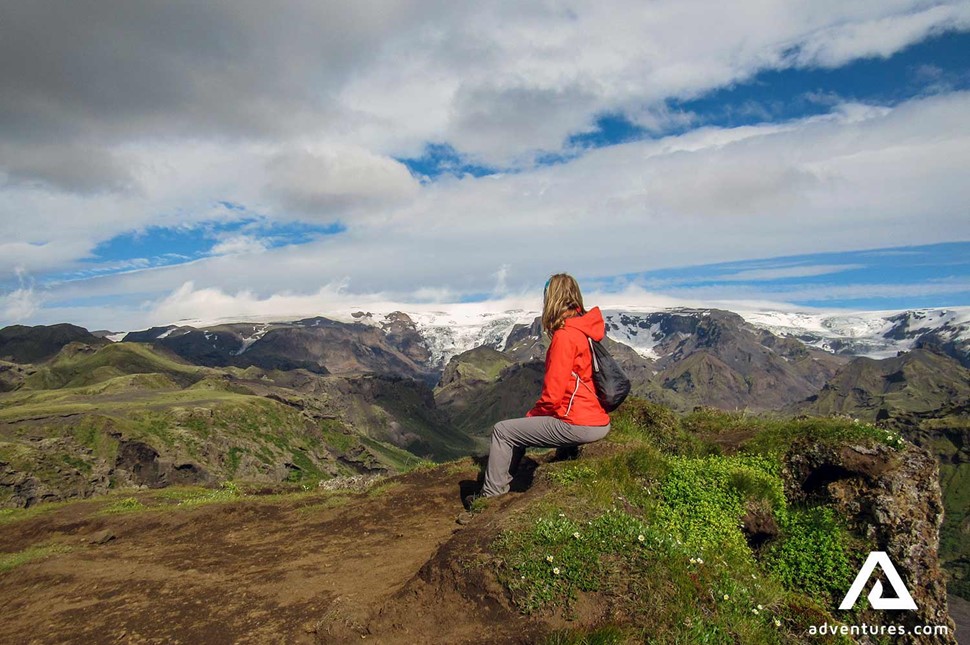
(390, 566)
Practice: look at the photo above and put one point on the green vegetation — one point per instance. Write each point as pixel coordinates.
(192, 496)
(126, 505)
(701, 501)
(10, 515)
(657, 524)
(10, 561)
(603, 636)
(813, 556)
(383, 488)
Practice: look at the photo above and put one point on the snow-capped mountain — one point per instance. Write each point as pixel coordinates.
(878, 334)
(651, 333)
(448, 333)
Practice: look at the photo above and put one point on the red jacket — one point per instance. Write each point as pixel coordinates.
(568, 392)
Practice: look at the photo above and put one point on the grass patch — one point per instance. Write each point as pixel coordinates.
(192, 496)
(10, 561)
(609, 635)
(570, 474)
(126, 505)
(812, 554)
(11, 515)
(383, 488)
(656, 529)
(330, 501)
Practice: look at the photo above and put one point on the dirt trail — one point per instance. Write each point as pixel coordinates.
(251, 571)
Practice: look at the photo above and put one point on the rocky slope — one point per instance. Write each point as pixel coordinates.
(316, 344)
(925, 396)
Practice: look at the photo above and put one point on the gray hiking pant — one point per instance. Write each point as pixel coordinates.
(515, 435)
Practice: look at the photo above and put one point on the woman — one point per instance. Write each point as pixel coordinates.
(567, 413)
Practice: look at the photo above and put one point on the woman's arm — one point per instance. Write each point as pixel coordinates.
(559, 367)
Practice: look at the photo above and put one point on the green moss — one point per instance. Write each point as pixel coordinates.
(609, 635)
(954, 547)
(383, 488)
(10, 561)
(93, 432)
(704, 499)
(11, 515)
(812, 556)
(234, 456)
(126, 505)
(340, 441)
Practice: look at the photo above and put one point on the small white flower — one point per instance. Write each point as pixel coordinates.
(727, 597)
(760, 608)
(562, 515)
(641, 538)
(576, 535)
(777, 623)
(754, 611)
(693, 560)
(700, 561)
(555, 570)
(754, 577)
(548, 558)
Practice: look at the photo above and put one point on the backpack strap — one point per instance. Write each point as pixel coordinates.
(585, 384)
(592, 352)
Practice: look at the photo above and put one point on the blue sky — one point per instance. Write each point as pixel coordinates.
(938, 64)
(936, 275)
(811, 156)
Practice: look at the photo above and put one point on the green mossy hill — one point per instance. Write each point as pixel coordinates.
(717, 528)
(479, 364)
(93, 419)
(22, 344)
(918, 381)
(482, 404)
(78, 364)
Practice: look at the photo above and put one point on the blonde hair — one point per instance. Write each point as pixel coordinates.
(560, 297)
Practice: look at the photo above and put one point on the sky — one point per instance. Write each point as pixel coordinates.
(170, 161)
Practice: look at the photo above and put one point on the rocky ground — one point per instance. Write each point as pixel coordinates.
(319, 567)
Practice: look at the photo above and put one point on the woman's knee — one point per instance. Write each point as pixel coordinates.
(501, 430)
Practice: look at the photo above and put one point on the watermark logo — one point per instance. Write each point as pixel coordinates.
(903, 599)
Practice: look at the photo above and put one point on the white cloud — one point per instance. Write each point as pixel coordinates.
(296, 110)
(786, 272)
(822, 293)
(882, 36)
(336, 181)
(18, 306)
(238, 244)
(22, 303)
(497, 80)
(844, 182)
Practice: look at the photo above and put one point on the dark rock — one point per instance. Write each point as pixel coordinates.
(759, 525)
(894, 499)
(101, 537)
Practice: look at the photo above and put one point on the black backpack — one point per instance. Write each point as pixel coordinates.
(612, 385)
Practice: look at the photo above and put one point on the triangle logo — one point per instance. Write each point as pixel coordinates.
(903, 599)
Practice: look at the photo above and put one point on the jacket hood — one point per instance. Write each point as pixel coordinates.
(591, 323)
